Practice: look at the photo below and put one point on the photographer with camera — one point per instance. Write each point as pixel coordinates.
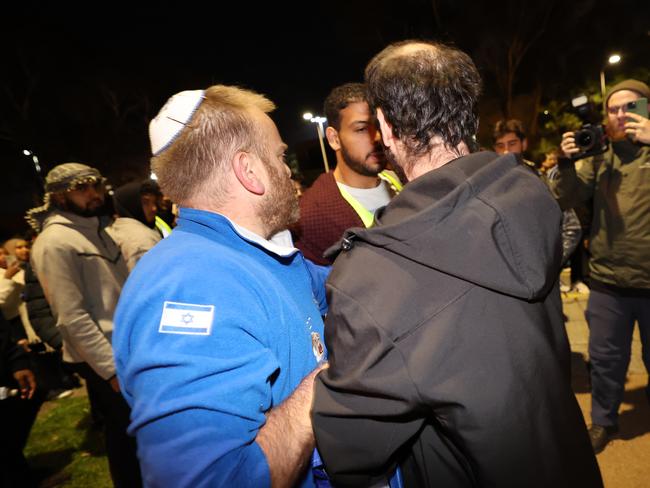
(617, 177)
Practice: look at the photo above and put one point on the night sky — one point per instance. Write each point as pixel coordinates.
(81, 83)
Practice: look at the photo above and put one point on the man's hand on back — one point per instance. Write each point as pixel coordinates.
(287, 438)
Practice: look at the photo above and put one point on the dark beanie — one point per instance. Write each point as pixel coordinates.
(632, 85)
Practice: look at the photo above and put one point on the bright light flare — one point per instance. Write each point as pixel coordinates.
(614, 58)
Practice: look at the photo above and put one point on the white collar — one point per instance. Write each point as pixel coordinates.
(280, 244)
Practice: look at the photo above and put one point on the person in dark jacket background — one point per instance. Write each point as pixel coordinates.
(617, 188)
(54, 376)
(40, 314)
(133, 229)
(448, 353)
(17, 413)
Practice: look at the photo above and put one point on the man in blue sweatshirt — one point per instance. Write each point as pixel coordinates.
(218, 332)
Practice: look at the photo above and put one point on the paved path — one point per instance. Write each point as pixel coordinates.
(625, 462)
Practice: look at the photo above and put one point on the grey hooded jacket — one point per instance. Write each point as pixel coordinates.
(82, 272)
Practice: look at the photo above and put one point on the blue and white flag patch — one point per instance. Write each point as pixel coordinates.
(186, 318)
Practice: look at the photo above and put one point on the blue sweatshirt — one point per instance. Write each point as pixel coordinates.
(212, 330)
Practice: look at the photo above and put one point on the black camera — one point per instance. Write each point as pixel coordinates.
(591, 138)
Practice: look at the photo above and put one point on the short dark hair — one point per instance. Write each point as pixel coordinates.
(431, 89)
(503, 127)
(339, 98)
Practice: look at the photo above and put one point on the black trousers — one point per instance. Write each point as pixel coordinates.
(16, 419)
(611, 321)
(120, 447)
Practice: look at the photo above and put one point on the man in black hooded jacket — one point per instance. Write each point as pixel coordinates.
(448, 354)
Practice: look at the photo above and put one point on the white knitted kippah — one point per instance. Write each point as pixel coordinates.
(172, 118)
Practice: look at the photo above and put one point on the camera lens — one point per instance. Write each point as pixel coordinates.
(585, 139)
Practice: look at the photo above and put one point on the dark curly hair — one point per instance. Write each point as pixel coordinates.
(425, 89)
(339, 98)
(503, 127)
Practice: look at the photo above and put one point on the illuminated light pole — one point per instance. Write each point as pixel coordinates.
(37, 165)
(321, 135)
(613, 59)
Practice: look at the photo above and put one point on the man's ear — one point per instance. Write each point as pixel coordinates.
(333, 138)
(247, 168)
(524, 144)
(386, 130)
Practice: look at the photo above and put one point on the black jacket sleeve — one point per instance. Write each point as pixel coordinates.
(12, 357)
(39, 312)
(574, 185)
(365, 404)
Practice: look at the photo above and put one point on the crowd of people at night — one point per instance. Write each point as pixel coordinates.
(397, 324)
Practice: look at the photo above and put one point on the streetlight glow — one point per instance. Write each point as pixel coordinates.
(612, 59)
(321, 134)
(26, 152)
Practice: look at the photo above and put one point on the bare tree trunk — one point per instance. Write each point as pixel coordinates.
(533, 126)
(518, 47)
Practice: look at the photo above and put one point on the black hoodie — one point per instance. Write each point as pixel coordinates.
(448, 353)
(128, 202)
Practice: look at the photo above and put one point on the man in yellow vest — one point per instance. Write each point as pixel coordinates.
(349, 195)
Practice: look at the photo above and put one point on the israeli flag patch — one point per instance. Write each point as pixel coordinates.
(186, 318)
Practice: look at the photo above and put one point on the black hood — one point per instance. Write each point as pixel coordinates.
(128, 202)
(482, 218)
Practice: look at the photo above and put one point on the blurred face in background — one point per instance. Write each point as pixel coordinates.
(616, 113)
(550, 161)
(298, 187)
(510, 144)
(22, 251)
(149, 206)
(18, 248)
(86, 199)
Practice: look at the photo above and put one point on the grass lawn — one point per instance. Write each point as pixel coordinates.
(64, 450)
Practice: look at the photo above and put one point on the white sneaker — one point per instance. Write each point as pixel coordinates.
(64, 394)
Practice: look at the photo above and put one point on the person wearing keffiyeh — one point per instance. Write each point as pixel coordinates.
(82, 272)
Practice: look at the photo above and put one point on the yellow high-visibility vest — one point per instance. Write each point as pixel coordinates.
(391, 178)
(163, 227)
(366, 216)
